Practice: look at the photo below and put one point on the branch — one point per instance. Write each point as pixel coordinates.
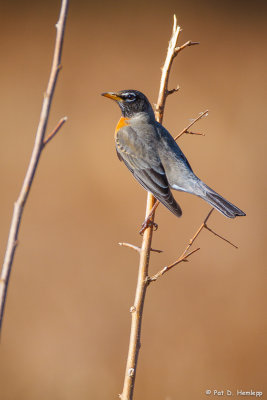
(136, 248)
(172, 52)
(184, 256)
(143, 280)
(185, 130)
(35, 157)
(166, 269)
(55, 131)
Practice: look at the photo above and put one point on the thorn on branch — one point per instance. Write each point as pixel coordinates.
(156, 250)
(136, 248)
(193, 43)
(173, 90)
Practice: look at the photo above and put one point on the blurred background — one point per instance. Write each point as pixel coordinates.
(67, 320)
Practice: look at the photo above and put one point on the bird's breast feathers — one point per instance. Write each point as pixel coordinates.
(122, 123)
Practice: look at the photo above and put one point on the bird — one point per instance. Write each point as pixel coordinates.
(154, 158)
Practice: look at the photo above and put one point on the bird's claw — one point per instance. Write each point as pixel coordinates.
(147, 224)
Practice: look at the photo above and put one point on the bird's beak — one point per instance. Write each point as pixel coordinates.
(112, 95)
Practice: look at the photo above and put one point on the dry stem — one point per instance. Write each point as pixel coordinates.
(138, 249)
(143, 281)
(185, 130)
(184, 256)
(39, 144)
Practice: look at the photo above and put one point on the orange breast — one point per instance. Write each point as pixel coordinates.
(122, 122)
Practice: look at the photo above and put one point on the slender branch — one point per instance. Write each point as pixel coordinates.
(136, 248)
(143, 280)
(55, 131)
(163, 89)
(36, 153)
(189, 43)
(131, 246)
(184, 256)
(185, 130)
(137, 310)
(221, 237)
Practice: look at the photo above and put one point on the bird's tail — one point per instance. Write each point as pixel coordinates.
(217, 201)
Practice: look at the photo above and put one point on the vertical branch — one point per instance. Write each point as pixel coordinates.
(35, 157)
(137, 309)
(143, 281)
(163, 89)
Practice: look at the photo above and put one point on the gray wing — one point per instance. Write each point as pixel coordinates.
(140, 156)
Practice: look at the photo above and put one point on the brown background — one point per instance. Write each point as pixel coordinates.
(66, 326)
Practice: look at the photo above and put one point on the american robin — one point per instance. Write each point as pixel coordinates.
(154, 158)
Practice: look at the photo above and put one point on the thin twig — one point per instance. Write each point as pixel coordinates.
(136, 248)
(194, 133)
(171, 54)
(182, 258)
(142, 283)
(180, 48)
(131, 246)
(221, 237)
(55, 131)
(185, 130)
(185, 254)
(36, 153)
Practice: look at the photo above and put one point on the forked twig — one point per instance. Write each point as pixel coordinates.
(185, 130)
(184, 256)
(35, 157)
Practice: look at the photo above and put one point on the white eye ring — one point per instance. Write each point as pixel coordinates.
(130, 97)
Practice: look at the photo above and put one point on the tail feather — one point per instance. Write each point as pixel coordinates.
(221, 204)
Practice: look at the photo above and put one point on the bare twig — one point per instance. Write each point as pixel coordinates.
(189, 43)
(143, 281)
(136, 248)
(36, 153)
(171, 54)
(184, 256)
(221, 237)
(185, 130)
(55, 131)
(131, 246)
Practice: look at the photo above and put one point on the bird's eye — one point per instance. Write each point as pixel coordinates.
(130, 97)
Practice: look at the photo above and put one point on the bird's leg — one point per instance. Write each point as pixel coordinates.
(148, 221)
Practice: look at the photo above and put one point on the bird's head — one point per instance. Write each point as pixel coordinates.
(131, 102)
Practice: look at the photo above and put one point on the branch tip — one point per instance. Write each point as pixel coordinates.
(193, 43)
(55, 131)
(173, 90)
(131, 246)
(185, 130)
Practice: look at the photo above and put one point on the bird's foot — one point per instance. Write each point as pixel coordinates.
(147, 224)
